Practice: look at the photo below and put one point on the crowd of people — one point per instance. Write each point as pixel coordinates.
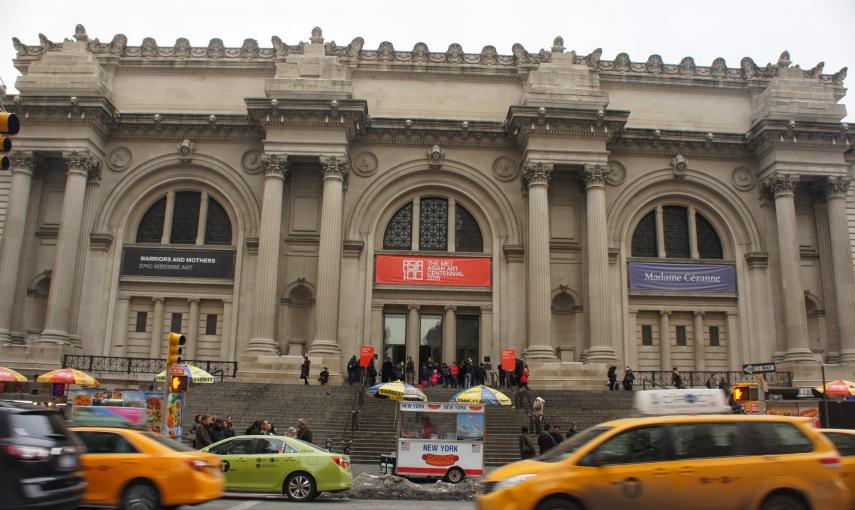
(547, 439)
(207, 430)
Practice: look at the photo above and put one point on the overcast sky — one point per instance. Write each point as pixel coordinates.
(813, 31)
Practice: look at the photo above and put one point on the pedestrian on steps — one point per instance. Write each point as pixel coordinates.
(556, 435)
(612, 375)
(524, 377)
(571, 431)
(203, 438)
(628, 379)
(537, 408)
(304, 369)
(410, 370)
(304, 433)
(545, 441)
(372, 372)
(526, 448)
(324, 378)
(352, 369)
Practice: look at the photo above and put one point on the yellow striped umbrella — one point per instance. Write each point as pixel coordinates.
(397, 390)
(196, 375)
(9, 375)
(68, 376)
(481, 395)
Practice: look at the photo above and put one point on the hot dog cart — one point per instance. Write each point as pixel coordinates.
(440, 440)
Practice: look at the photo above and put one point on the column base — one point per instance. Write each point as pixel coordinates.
(832, 358)
(262, 347)
(806, 374)
(800, 355)
(540, 352)
(847, 357)
(53, 337)
(601, 354)
(5, 337)
(779, 356)
(552, 375)
(272, 369)
(324, 348)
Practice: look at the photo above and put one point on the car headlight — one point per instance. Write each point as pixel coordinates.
(512, 481)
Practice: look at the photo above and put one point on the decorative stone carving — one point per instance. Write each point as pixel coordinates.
(118, 44)
(317, 36)
(181, 48)
(678, 166)
(593, 60)
(743, 179)
(505, 168)
(537, 173)
(251, 161)
(274, 164)
(149, 47)
(654, 64)
(334, 167)
(718, 69)
(249, 48)
(784, 60)
(216, 48)
(435, 156)
(354, 49)
(622, 63)
(48, 45)
(595, 175)
(815, 71)
(80, 33)
(280, 49)
(386, 52)
(185, 150)
(687, 66)
(779, 184)
(489, 56)
(21, 160)
(119, 159)
(836, 187)
(616, 174)
(520, 55)
(454, 55)
(365, 164)
(558, 45)
(81, 162)
(420, 53)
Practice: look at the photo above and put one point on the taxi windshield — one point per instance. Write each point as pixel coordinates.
(568, 447)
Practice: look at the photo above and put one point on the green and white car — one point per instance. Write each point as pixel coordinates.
(281, 465)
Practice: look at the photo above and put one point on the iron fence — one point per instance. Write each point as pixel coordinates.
(124, 365)
(707, 379)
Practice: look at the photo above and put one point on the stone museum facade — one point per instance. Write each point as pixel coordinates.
(313, 198)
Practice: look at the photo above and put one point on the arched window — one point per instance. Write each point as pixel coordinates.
(432, 222)
(186, 218)
(682, 237)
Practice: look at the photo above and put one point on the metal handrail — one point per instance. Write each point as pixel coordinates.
(130, 365)
(709, 379)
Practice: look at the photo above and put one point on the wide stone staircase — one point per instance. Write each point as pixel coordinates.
(327, 411)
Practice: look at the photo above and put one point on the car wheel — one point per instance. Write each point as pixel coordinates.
(140, 496)
(782, 502)
(455, 475)
(559, 504)
(300, 487)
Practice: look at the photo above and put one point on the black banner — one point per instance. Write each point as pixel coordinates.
(178, 263)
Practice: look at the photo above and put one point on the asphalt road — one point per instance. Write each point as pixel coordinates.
(321, 504)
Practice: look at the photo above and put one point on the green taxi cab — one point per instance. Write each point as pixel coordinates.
(281, 465)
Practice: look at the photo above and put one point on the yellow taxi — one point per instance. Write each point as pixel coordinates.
(141, 470)
(844, 440)
(697, 461)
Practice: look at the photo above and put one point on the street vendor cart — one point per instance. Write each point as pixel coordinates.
(440, 440)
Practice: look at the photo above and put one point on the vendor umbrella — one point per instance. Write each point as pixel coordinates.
(68, 376)
(481, 395)
(397, 390)
(9, 375)
(838, 388)
(196, 375)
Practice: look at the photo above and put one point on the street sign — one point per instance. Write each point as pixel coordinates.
(758, 368)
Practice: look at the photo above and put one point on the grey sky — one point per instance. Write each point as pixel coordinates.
(813, 31)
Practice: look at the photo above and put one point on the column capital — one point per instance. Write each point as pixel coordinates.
(335, 167)
(157, 299)
(413, 306)
(595, 175)
(663, 313)
(22, 162)
(699, 313)
(274, 164)
(834, 186)
(537, 173)
(780, 184)
(193, 300)
(450, 308)
(81, 162)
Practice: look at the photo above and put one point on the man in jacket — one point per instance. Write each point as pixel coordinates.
(324, 377)
(304, 369)
(556, 435)
(352, 368)
(545, 441)
(372, 372)
(526, 448)
(203, 438)
(304, 433)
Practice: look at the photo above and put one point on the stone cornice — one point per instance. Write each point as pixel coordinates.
(177, 126)
(770, 134)
(96, 112)
(663, 142)
(444, 132)
(522, 122)
(347, 114)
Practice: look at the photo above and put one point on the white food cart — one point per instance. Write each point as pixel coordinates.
(440, 440)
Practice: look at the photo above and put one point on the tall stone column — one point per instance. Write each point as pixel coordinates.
(166, 238)
(329, 257)
(78, 166)
(601, 350)
(412, 339)
(795, 321)
(156, 329)
(13, 237)
(841, 261)
(192, 333)
(536, 179)
(117, 346)
(203, 219)
(699, 344)
(227, 339)
(92, 186)
(449, 334)
(267, 270)
(665, 340)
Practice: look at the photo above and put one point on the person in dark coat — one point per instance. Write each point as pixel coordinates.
(304, 433)
(612, 378)
(518, 371)
(556, 435)
(387, 371)
(677, 379)
(628, 379)
(324, 378)
(411, 368)
(304, 369)
(545, 441)
(228, 429)
(352, 370)
(254, 429)
(571, 431)
(526, 448)
(372, 372)
(215, 430)
(203, 438)
(501, 377)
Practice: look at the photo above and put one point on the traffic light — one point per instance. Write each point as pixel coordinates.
(741, 392)
(178, 383)
(175, 342)
(9, 125)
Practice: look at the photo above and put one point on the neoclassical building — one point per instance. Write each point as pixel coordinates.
(314, 198)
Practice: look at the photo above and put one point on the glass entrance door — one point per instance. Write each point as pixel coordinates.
(430, 341)
(468, 336)
(394, 337)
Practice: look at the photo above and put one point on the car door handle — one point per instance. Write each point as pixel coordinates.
(686, 471)
(659, 472)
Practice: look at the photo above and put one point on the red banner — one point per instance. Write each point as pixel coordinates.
(416, 270)
(366, 352)
(509, 358)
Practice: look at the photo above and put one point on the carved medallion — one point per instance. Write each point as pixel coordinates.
(365, 164)
(505, 168)
(251, 161)
(743, 179)
(616, 174)
(119, 159)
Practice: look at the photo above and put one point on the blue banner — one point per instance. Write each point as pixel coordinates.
(682, 277)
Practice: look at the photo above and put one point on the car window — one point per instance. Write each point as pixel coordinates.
(706, 440)
(845, 443)
(304, 445)
(234, 447)
(770, 438)
(36, 425)
(169, 443)
(106, 442)
(570, 446)
(644, 444)
(272, 446)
